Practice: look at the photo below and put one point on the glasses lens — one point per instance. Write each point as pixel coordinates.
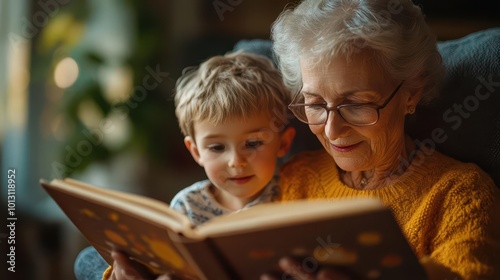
(315, 114)
(359, 115)
(299, 112)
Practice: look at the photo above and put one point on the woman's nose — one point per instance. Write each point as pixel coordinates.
(335, 126)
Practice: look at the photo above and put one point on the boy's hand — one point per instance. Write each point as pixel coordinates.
(125, 269)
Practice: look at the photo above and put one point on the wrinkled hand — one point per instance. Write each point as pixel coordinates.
(296, 271)
(125, 269)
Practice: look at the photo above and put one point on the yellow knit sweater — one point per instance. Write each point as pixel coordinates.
(448, 210)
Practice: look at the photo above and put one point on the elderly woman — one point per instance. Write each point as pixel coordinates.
(358, 68)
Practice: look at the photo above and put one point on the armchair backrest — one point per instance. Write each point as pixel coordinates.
(464, 122)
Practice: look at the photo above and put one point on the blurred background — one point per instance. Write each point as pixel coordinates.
(85, 92)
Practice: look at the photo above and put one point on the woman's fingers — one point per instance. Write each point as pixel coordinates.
(294, 269)
(164, 277)
(330, 274)
(299, 272)
(268, 277)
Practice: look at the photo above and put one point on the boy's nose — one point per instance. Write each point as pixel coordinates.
(237, 160)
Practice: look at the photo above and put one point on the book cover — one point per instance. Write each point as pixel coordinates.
(359, 235)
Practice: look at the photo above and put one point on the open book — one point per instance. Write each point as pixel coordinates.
(360, 235)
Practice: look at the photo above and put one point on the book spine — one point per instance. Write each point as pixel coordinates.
(208, 261)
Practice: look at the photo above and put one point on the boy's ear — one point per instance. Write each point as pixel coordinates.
(193, 149)
(286, 140)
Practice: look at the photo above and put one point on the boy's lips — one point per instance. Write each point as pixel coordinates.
(242, 179)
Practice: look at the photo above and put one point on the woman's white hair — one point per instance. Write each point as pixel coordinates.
(393, 30)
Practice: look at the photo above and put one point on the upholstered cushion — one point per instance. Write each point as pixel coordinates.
(464, 122)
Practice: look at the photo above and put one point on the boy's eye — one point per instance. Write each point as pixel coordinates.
(216, 148)
(254, 144)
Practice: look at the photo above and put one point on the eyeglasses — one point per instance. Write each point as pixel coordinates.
(354, 114)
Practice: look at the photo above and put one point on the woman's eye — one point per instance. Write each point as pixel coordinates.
(315, 106)
(216, 148)
(254, 144)
(314, 100)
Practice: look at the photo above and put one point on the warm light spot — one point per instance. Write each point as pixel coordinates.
(117, 82)
(89, 113)
(118, 128)
(66, 72)
(16, 97)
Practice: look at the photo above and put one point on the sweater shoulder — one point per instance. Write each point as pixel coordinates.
(457, 173)
(453, 182)
(308, 175)
(305, 158)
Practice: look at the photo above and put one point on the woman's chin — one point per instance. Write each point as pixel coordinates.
(349, 164)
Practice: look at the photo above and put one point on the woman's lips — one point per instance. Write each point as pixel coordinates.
(345, 148)
(241, 180)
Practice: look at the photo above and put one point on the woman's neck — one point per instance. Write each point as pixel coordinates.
(382, 175)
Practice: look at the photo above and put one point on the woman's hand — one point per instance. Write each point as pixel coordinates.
(295, 271)
(125, 269)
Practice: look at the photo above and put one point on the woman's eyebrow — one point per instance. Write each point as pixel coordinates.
(359, 93)
(308, 93)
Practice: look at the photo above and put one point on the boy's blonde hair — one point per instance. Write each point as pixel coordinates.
(234, 85)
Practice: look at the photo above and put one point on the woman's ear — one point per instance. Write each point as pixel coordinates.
(413, 98)
(286, 140)
(193, 149)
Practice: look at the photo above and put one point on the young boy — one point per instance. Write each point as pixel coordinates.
(232, 110)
